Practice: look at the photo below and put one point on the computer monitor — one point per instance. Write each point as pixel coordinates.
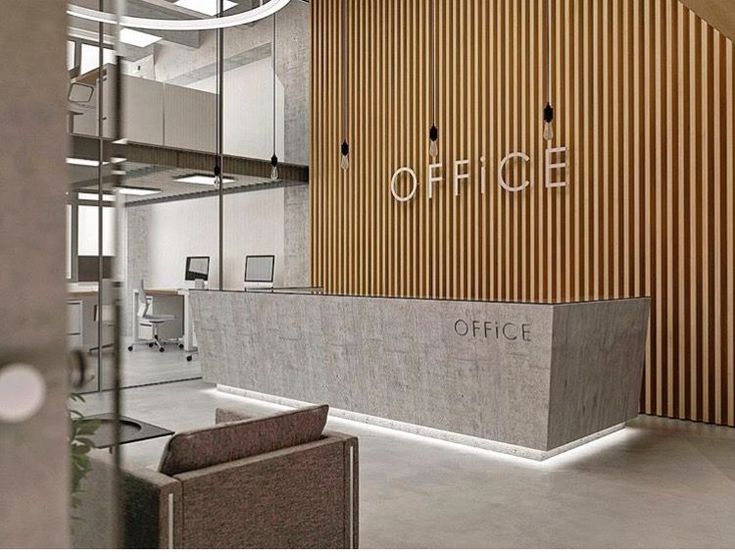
(197, 268)
(259, 269)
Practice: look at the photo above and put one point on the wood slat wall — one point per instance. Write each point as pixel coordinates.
(643, 91)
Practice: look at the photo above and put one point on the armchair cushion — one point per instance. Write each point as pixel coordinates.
(231, 441)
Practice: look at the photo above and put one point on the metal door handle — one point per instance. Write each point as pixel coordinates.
(22, 392)
(77, 363)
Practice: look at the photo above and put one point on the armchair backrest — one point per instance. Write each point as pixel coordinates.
(229, 441)
(299, 497)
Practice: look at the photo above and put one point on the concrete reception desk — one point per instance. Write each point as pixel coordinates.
(523, 378)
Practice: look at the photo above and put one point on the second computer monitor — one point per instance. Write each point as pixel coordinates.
(259, 269)
(197, 268)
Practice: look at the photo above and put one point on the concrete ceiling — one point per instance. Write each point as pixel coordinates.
(718, 13)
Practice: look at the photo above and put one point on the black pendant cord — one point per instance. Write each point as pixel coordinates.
(432, 63)
(549, 108)
(345, 147)
(274, 158)
(433, 130)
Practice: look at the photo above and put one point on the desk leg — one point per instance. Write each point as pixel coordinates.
(136, 322)
(188, 340)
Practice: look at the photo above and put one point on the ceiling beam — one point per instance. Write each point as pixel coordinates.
(86, 147)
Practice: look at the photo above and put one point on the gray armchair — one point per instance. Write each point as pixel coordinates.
(239, 484)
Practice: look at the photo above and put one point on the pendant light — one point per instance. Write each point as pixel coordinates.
(345, 147)
(274, 158)
(548, 109)
(433, 130)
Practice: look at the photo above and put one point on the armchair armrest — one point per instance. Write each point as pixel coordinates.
(151, 504)
(146, 497)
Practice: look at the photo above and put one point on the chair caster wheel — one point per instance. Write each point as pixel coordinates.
(150, 344)
(181, 346)
(130, 348)
(161, 349)
(188, 357)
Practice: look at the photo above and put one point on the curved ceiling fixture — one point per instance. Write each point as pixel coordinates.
(206, 24)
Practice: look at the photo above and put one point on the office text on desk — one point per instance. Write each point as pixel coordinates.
(509, 331)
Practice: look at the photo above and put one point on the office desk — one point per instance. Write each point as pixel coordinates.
(76, 289)
(530, 379)
(184, 314)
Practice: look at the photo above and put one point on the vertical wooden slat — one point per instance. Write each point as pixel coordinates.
(658, 187)
(694, 132)
(704, 189)
(648, 157)
(681, 218)
(716, 352)
(730, 243)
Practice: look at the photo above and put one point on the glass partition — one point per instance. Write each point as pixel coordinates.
(95, 426)
(181, 204)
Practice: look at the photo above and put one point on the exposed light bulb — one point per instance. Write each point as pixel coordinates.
(433, 142)
(344, 162)
(548, 131)
(274, 167)
(548, 118)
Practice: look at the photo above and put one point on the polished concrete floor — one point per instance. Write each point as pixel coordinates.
(658, 483)
(146, 365)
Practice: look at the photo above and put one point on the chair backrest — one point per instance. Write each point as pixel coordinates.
(143, 303)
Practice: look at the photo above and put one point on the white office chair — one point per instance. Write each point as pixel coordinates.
(155, 321)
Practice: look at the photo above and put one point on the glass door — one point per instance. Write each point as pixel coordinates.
(94, 167)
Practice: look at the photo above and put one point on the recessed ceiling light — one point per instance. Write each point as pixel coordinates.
(208, 7)
(202, 179)
(137, 190)
(94, 197)
(137, 38)
(83, 162)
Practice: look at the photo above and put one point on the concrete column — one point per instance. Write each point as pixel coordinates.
(34, 479)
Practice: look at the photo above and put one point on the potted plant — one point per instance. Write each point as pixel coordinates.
(80, 444)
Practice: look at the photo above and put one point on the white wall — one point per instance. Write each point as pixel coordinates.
(88, 232)
(254, 224)
(248, 110)
(292, 66)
